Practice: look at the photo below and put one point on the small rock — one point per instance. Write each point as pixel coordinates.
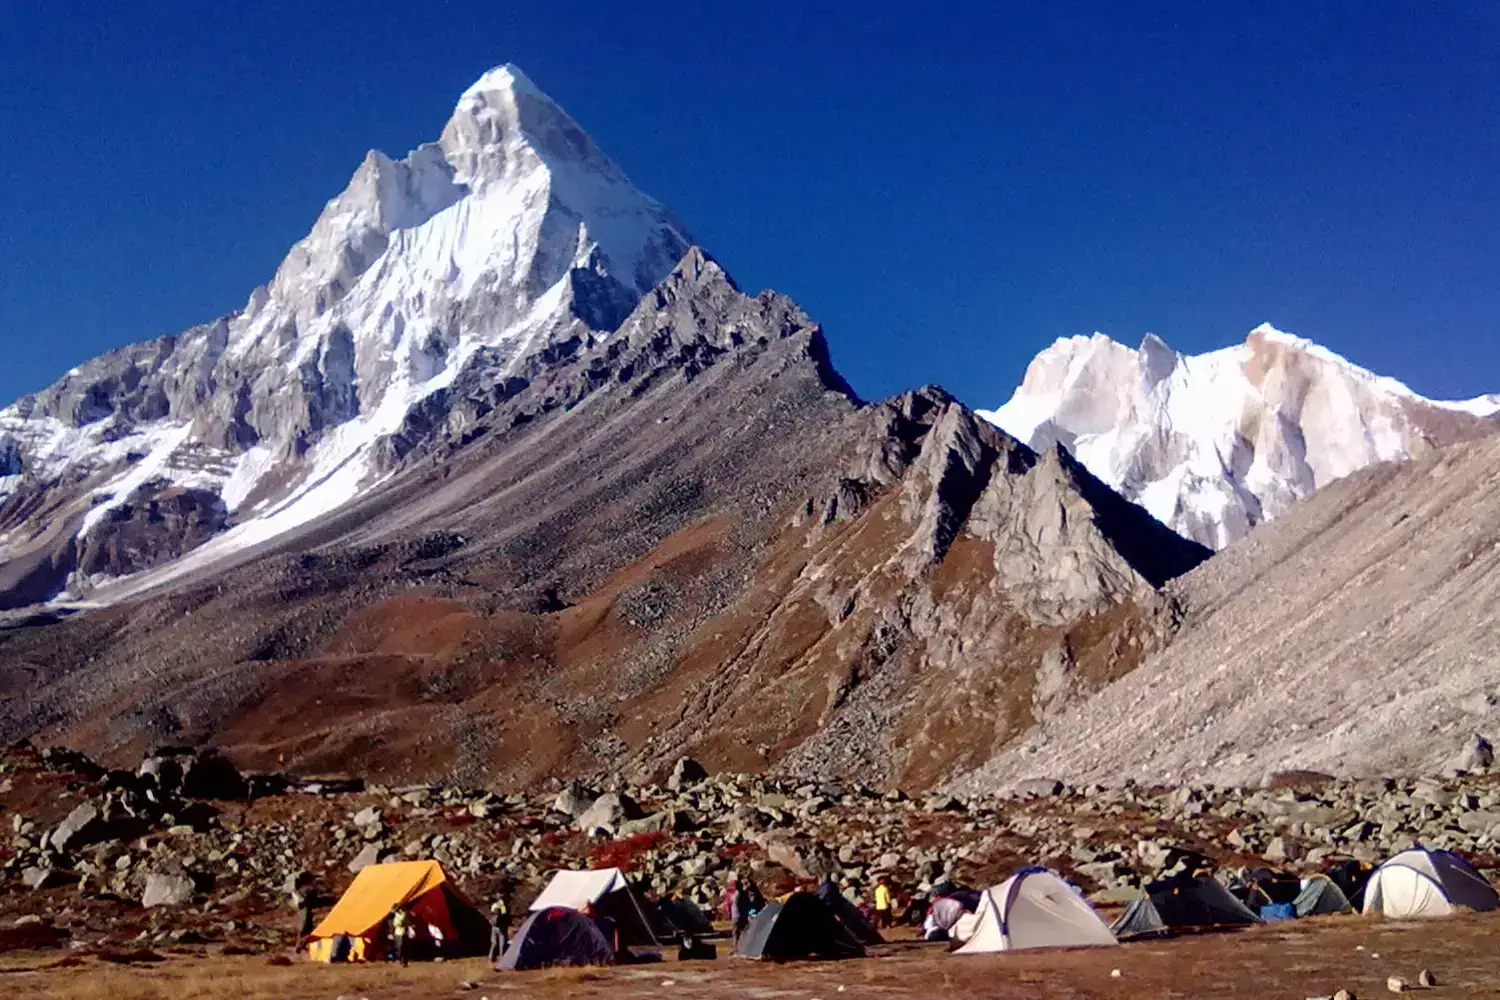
(1396, 984)
(1425, 978)
(1345, 995)
(1115, 973)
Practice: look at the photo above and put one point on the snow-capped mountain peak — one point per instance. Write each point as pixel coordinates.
(1213, 444)
(510, 233)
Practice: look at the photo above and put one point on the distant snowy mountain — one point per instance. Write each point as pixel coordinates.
(471, 259)
(1213, 444)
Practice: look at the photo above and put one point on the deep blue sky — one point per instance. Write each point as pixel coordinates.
(946, 187)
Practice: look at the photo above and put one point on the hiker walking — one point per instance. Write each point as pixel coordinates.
(499, 928)
(884, 904)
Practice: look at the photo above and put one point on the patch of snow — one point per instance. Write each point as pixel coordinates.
(164, 441)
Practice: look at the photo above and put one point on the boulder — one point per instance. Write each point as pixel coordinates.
(1475, 755)
(41, 878)
(799, 855)
(687, 772)
(167, 890)
(370, 854)
(209, 776)
(669, 821)
(1041, 788)
(164, 772)
(943, 803)
(574, 800)
(84, 825)
(369, 816)
(1277, 851)
(608, 812)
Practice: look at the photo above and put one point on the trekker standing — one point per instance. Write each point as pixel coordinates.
(303, 901)
(757, 899)
(884, 905)
(740, 907)
(731, 886)
(499, 928)
(401, 934)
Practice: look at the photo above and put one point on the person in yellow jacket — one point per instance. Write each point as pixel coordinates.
(884, 903)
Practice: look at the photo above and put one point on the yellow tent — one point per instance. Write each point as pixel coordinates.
(443, 922)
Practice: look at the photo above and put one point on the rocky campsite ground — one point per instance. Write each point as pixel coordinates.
(185, 863)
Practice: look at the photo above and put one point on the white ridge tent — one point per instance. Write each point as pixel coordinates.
(607, 892)
(1425, 883)
(1034, 908)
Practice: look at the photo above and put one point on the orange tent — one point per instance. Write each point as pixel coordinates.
(443, 922)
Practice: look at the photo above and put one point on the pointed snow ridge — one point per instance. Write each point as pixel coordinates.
(508, 78)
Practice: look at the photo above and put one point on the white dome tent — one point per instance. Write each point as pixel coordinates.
(1426, 883)
(1034, 908)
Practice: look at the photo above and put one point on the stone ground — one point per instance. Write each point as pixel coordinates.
(1311, 958)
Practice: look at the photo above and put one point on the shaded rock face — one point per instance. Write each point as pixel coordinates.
(1352, 636)
(158, 524)
(744, 564)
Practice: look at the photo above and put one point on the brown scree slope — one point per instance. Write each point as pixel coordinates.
(688, 537)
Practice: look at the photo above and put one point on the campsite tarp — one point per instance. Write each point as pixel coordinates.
(802, 926)
(607, 892)
(557, 935)
(443, 922)
(1182, 904)
(1321, 897)
(1034, 908)
(1424, 883)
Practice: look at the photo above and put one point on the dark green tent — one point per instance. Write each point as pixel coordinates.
(800, 927)
(1180, 904)
(1321, 897)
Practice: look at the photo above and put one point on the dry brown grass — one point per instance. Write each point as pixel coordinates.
(1308, 958)
(240, 978)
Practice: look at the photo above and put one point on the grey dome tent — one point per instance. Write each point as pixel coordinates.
(802, 926)
(848, 914)
(1321, 897)
(557, 935)
(1427, 883)
(1182, 904)
(681, 916)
